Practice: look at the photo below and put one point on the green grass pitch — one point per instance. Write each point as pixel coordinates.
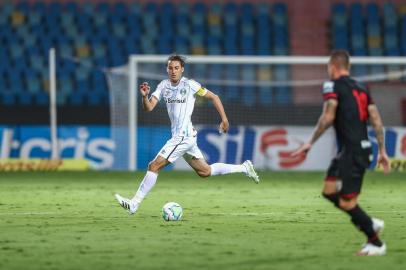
(72, 221)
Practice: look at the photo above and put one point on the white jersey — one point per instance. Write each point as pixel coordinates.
(180, 101)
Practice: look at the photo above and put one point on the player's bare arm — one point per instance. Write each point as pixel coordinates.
(148, 103)
(325, 121)
(224, 125)
(376, 122)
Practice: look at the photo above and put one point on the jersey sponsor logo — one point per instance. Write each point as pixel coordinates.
(175, 100)
(328, 87)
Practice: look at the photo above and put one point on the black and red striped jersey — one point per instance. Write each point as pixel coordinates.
(352, 111)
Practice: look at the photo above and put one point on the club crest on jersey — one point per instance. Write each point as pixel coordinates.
(183, 91)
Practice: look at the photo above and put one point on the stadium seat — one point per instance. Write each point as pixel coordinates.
(283, 95)
(374, 31)
(41, 99)
(105, 33)
(8, 98)
(78, 98)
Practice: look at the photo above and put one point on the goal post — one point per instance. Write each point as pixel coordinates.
(255, 90)
(53, 105)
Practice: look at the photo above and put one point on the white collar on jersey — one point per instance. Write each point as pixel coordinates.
(181, 80)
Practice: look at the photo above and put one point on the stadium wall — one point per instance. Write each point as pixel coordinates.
(269, 147)
(289, 2)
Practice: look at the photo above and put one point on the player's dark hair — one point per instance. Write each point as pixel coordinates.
(176, 57)
(341, 59)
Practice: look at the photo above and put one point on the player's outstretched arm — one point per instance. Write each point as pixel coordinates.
(377, 124)
(325, 121)
(224, 125)
(148, 104)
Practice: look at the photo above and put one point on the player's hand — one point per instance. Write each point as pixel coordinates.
(224, 125)
(302, 150)
(383, 160)
(144, 89)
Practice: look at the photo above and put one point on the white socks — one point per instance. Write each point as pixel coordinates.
(222, 168)
(146, 185)
(150, 178)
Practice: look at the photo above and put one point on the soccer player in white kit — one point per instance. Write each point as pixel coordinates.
(179, 94)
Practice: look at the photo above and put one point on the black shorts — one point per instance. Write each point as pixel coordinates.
(350, 169)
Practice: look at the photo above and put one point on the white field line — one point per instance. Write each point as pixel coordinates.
(28, 213)
(211, 214)
(301, 213)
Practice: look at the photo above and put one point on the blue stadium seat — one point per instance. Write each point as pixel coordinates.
(248, 92)
(230, 8)
(25, 98)
(134, 8)
(105, 33)
(232, 91)
(33, 84)
(39, 6)
(23, 6)
(375, 29)
(283, 95)
(247, 45)
(78, 98)
(339, 8)
(119, 9)
(101, 62)
(41, 99)
(214, 73)
(151, 7)
(199, 8)
(265, 96)
(8, 98)
(279, 8)
(102, 7)
(97, 98)
(65, 84)
(230, 45)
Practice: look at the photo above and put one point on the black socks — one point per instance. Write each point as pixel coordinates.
(360, 219)
(334, 198)
(364, 223)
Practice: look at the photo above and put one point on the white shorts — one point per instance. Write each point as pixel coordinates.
(177, 147)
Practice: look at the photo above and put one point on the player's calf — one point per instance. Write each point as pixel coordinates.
(204, 173)
(157, 164)
(365, 224)
(346, 203)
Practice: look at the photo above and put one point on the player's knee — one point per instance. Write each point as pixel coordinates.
(326, 195)
(153, 167)
(332, 197)
(204, 173)
(347, 204)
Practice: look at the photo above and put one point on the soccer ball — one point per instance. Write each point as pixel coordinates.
(172, 211)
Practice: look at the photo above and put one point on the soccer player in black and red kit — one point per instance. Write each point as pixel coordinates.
(348, 106)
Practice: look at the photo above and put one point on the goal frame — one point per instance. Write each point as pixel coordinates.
(135, 60)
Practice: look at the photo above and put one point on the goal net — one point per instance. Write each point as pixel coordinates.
(272, 104)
